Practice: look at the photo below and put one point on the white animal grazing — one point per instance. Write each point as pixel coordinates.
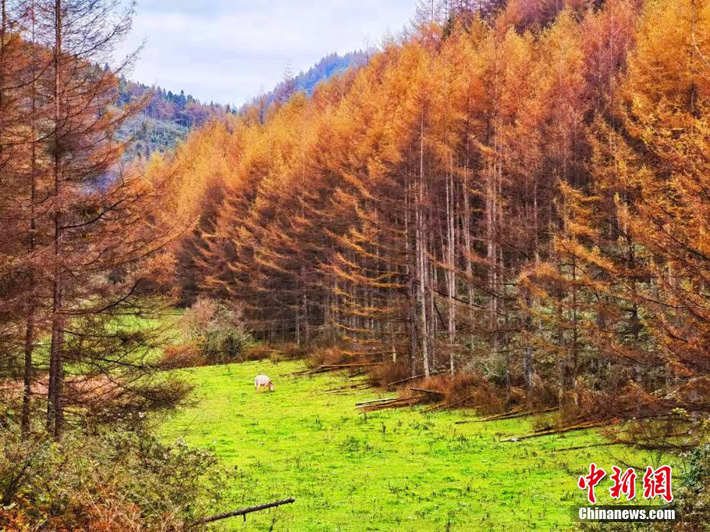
(262, 381)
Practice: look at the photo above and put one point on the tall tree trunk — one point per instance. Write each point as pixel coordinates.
(491, 244)
(468, 245)
(55, 406)
(411, 271)
(532, 304)
(31, 304)
(451, 267)
(422, 256)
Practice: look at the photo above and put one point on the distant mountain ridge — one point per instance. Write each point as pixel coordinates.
(331, 65)
(166, 119)
(169, 116)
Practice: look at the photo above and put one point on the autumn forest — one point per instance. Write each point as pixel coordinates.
(505, 208)
(517, 192)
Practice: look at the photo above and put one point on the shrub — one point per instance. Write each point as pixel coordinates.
(217, 330)
(118, 481)
(183, 355)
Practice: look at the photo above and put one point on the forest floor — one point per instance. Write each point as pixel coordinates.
(390, 470)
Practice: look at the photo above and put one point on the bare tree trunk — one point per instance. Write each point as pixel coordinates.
(306, 319)
(298, 321)
(335, 314)
(468, 247)
(422, 256)
(575, 334)
(3, 46)
(411, 268)
(491, 246)
(451, 268)
(431, 281)
(529, 356)
(31, 304)
(55, 408)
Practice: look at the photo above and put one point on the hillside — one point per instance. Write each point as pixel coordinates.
(306, 82)
(169, 117)
(166, 119)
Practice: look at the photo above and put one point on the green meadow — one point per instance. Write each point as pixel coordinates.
(391, 470)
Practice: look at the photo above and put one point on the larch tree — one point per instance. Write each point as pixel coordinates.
(105, 221)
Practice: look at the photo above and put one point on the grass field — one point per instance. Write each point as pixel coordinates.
(393, 470)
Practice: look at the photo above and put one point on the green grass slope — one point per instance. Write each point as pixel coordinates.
(393, 470)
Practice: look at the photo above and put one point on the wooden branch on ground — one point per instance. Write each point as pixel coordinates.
(424, 390)
(355, 365)
(402, 381)
(514, 414)
(325, 368)
(375, 401)
(580, 447)
(346, 389)
(394, 403)
(490, 418)
(620, 442)
(551, 432)
(350, 387)
(243, 511)
(442, 406)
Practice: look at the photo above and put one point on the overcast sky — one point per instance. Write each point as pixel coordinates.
(230, 50)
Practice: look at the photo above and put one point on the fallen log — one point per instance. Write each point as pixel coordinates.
(442, 406)
(402, 381)
(401, 401)
(490, 418)
(580, 447)
(394, 403)
(344, 390)
(515, 414)
(375, 401)
(424, 390)
(356, 365)
(349, 387)
(415, 377)
(243, 511)
(551, 432)
(325, 368)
